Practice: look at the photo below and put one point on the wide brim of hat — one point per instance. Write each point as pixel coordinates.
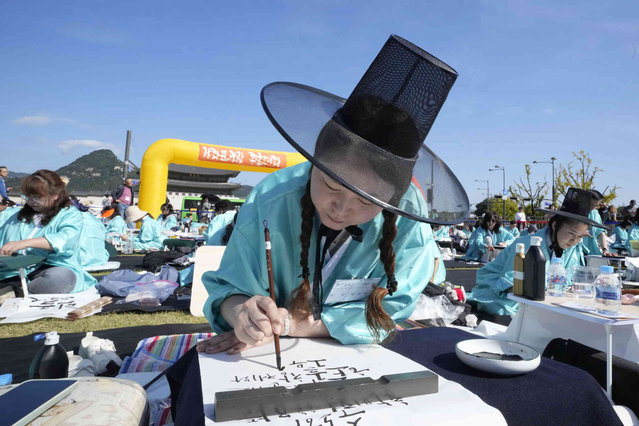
(578, 217)
(300, 112)
(134, 213)
(107, 213)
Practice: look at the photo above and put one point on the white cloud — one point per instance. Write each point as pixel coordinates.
(90, 143)
(33, 120)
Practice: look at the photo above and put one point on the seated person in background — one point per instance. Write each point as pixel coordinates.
(116, 228)
(93, 251)
(560, 238)
(150, 237)
(633, 232)
(187, 221)
(204, 214)
(596, 243)
(46, 226)
(441, 232)
(7, 209)
(216, 231)
(530, 230)
(467, 229)
(488, 234)
(512, 228)
(620, 233)
(167, 219)
(612, 214)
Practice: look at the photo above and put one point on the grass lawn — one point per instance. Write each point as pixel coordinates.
(99, 322)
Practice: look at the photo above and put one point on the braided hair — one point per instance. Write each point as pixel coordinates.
(299, 306)
(377, 319)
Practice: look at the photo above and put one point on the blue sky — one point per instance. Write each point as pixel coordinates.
(536, 79)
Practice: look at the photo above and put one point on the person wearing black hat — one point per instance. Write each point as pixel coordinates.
(566, 229)
(596, 243)
(353, 218)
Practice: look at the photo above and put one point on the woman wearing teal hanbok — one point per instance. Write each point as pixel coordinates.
(167, 219)
(50, 227)
(93, 251)
(561, 238)
(441, 233)
(353, 216)
(6, 211)
(488, 235)
(116, 228)
(596, 243)
(150, 237)
(512, 228)
(633, 232)
(620, 232)
(216, 231)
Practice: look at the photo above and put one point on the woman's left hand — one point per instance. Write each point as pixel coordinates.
(226, 341)
(12, 246)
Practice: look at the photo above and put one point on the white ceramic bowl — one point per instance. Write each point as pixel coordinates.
(468, 351)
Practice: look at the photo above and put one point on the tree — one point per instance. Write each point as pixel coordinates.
(580, 173)
(496, 206)
(535, 192)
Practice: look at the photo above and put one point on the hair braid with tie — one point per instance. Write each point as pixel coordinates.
(376, 318)
(300, 307)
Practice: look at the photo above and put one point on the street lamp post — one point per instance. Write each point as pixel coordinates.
(487, 187)
(503, 175)
(552, 161)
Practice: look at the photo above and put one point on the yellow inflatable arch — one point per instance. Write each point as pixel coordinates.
(155, 165)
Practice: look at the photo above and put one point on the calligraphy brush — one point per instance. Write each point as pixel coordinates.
(271, 288)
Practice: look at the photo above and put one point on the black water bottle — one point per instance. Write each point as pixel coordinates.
(51, 362)
(535, 271)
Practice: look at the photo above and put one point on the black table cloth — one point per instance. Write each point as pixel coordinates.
(554, 393)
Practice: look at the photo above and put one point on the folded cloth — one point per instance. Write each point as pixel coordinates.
(121, 283)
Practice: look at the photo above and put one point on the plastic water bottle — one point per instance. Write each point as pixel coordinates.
(556, 278)
(608, 292)
(51, 362)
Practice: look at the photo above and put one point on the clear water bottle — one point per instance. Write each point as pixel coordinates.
(556, 278)
(608, 292)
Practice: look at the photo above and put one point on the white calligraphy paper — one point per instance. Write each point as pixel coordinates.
(45, 306)
(312, 360)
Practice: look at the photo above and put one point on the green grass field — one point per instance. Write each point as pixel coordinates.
(99, 322)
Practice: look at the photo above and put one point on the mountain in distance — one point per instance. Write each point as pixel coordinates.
(98, 172)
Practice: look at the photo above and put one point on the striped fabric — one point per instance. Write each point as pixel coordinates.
(159, 352)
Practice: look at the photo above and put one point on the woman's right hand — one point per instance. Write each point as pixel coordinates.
(258, 318)
(490, 248)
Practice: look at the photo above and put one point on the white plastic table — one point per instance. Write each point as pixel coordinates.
(533, 312)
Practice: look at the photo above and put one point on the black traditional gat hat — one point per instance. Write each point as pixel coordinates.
(380, 127)
(577, 205)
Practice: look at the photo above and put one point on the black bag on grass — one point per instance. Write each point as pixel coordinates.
(155, 260)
